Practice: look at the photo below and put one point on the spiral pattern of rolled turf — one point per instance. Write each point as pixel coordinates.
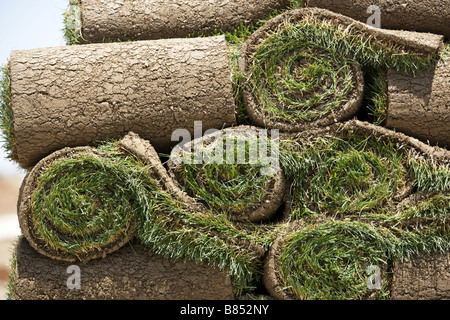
(82, 203)
(234, 171)
(362, 197)
(305, 68)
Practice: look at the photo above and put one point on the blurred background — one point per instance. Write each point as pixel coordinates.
(24, 24)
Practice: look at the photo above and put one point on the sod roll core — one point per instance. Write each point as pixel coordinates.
(132, 273)
(77, 95)
(423, 16)
(155, 19)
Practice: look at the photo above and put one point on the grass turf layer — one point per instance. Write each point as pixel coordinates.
(342, 175)
(6, 112)
(329, 260)
(300, 81)
(85, 203)
(348, 181)
(232, 177)
(356, 174)
(290, 85)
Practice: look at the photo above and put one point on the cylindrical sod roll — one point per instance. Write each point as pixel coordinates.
(347, 260)
(80, 204)
(365, 197)
(76, 95)
(235, 170)
(132, 273)
(304, 68)
(419, 105)
(323, 261)
(424, 16)
(102, 21)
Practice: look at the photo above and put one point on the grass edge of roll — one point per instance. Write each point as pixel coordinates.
(376, 98)
(72, 24)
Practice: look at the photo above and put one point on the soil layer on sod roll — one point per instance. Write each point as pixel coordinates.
(89, 21)
(131, 273)
(419, 105)
(423, 16)
(363, 197)
(305, 68)
(84, 203)
(74, 96)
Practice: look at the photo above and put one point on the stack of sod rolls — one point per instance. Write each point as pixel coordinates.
(363, 195)
(98, 126)
(81, 204)
(77, 95)
(362, 198)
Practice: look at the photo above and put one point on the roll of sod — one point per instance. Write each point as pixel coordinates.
(357, 167)
(234, 170)
(83, 203)
(99, 21)
(430, 16)
(131, 273)
(80, 203)
(73, 96)
(325, 261)
(363, 197)
(304, 68)
(419, 105)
